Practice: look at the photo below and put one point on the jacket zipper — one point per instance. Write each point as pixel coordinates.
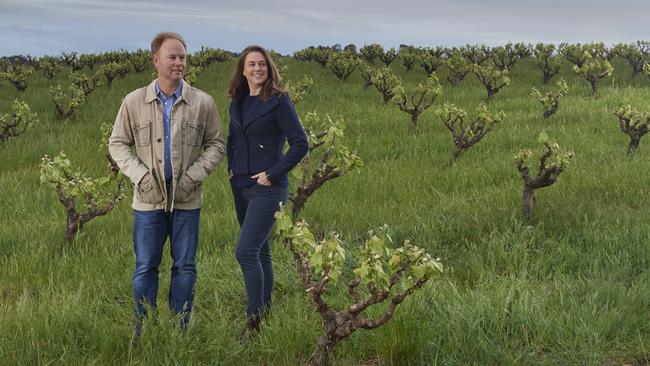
(265, 148)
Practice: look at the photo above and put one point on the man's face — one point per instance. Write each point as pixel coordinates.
(170, 61)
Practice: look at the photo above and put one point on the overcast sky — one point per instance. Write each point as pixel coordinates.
(39, 27)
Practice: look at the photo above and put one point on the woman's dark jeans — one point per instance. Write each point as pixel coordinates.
(255, 207)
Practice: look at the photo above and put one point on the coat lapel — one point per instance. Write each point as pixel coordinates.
(259, 109)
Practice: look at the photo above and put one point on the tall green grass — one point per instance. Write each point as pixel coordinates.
(570, 288)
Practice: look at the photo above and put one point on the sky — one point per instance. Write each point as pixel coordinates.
(40, 27)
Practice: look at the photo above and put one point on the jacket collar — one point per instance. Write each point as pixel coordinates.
(186, 95)
(258, 109)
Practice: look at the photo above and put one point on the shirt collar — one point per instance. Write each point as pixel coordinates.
(177, 93)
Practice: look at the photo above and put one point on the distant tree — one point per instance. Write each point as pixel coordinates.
(140, 60)
(504, 57)
(431, 59)
(88, 59)
(17, 75)
(458, 68)
(464, 133)
(633, 56)
(593, 70)
(634, 124)
(121, 56)
(551, 100)
(385, 81)
(476, 54)
(409, 56)
(66, 105)
(546, 61)
(72, 60)
(112, 70)
(85, 83)
(206, 56)
(574, 53)
(351, 48)
(50, 67)
(318, 54)
(322, 56)
(371, 52)
(552, 162)
(4, 64)
(342, 64)
(32, 61)
(491, 77)
(17, 122)
(366, 72)
(599, 50)
(388, 57)
(421, 99)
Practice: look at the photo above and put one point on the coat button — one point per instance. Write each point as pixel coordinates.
(160, 160)
(159, 140)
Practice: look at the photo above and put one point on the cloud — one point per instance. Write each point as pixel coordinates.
(287, 25)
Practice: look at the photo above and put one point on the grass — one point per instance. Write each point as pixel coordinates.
(572, 287)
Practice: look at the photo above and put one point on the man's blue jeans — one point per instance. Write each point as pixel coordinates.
(256, 206)
(150, 231)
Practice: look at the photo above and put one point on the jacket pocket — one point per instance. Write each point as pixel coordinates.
(186, 188)
(143, 133)
(194, 133)
(147, 190)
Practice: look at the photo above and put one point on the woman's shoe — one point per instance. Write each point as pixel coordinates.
(251, 329)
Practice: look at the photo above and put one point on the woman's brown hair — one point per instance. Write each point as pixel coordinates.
(238, 84)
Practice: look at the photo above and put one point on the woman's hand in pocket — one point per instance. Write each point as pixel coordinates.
(262, 179)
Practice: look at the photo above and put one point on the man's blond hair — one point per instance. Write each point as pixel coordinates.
(158, 40)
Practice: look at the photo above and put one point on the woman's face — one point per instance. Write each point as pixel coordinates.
(255, 71)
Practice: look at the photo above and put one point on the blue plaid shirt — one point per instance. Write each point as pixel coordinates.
(167, 104)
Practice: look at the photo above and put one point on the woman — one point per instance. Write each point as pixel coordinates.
(261, 119)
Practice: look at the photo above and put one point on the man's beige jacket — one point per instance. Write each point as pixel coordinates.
(194, 124)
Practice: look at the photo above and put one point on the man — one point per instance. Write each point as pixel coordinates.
(169, 122)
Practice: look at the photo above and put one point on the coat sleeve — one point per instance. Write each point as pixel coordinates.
(230, 143)
(213, 146)
(290, 125)
(120, 147)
